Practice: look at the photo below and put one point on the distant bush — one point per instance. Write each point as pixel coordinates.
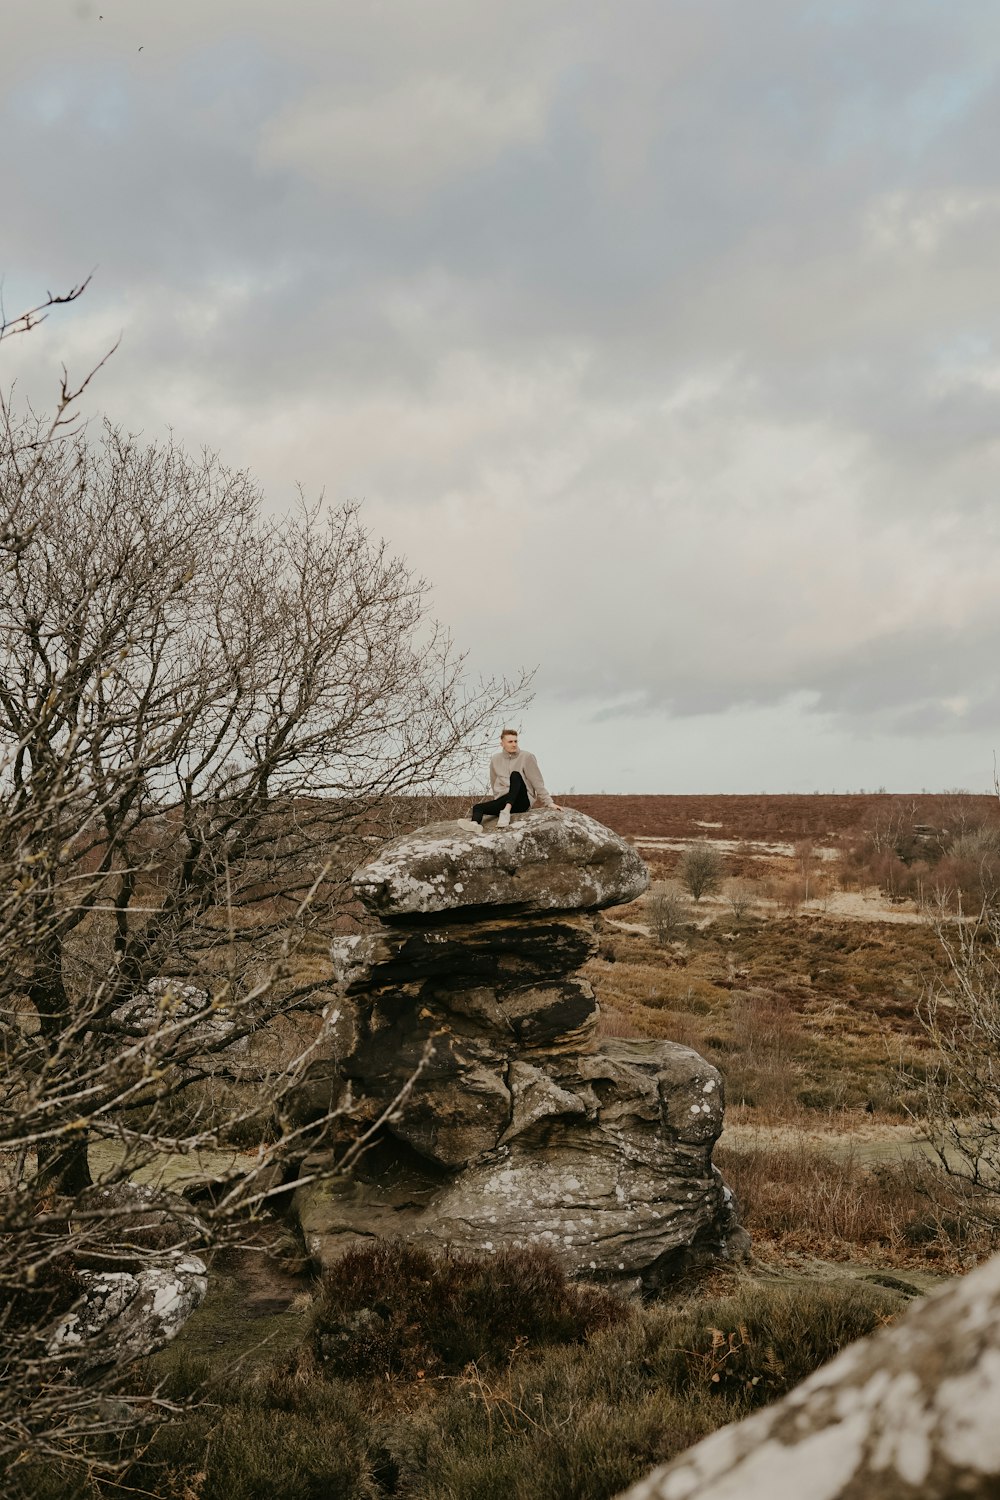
(700, 870)
(666, 909)
(934, 867)
(741, 895)
(392, 1308)
(789, 893)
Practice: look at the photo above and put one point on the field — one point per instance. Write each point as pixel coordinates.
(826, 818)
(802, 978)
(803, 981)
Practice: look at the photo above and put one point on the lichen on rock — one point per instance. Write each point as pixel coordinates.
(550, 859)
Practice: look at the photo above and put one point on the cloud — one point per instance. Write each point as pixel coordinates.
(400, 145)
(669, 351)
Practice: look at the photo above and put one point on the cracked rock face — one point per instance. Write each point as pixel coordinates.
(520, 1128)
(549, 859)
(604, 1158)
(907, 1414)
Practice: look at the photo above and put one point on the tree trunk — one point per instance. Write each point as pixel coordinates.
(64, 1169)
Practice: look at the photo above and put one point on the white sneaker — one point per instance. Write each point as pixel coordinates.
(504, 819)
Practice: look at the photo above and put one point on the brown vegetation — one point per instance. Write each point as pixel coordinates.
(801, 1199)
(801, 1014)
(825, 817)
(552, 1420)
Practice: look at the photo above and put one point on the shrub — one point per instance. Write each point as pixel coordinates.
(763, 1044)
(666, 909)
(573, 1423)
(812, 1201)
(282, 1438)
(760, 1344)
(583, 1427)
(740, 894)
(700, 870)
(392, 1308)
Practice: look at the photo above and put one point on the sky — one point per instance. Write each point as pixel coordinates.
(662, 337)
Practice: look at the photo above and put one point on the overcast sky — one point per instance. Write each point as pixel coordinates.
(661, 336)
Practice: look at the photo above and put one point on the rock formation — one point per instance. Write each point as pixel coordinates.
(133, 1313)
(142, 1283)
(520, 1127)
(907, 1414)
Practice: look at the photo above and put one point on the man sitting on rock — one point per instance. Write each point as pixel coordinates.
(516, 782)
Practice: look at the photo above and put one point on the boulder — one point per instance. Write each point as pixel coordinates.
(907, 1414)
(144, 1233)
(182, 1027)
(125, 1224)
(131, 1313)
(549, 859)
(605, 1158)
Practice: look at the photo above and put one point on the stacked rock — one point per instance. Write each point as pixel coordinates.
(514, 1124)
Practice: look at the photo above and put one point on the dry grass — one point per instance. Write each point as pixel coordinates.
(803, 1016)
(558, 1422)
(804, 1200)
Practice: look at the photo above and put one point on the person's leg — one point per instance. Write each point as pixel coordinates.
(516, 798)
(518, 794)
(492, 809)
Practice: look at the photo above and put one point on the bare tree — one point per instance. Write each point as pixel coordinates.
(741, 895)
(700, 870)
(667, 910)
(203, 713)
(958, 1088)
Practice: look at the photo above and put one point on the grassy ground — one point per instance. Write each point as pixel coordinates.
(800, 1013)
(810, 1014)
(451, 1381)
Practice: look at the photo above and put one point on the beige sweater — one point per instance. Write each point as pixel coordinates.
(502, 766)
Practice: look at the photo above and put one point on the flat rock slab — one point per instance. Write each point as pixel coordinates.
(907, 1414)
(549, 859)
(503, 950)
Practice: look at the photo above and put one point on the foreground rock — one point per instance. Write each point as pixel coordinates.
(908, 1414)
(132, 1313)
(503, 1120)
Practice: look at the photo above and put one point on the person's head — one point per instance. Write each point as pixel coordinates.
(508, 739)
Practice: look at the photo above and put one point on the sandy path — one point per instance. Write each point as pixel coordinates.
(867, 1143)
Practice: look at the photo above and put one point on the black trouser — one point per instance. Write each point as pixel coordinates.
(517, 796)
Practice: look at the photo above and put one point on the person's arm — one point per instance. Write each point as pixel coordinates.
(541, 793)
(499, 783)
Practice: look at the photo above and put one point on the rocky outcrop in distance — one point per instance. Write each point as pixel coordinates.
(521, 1127)
(907, 1414)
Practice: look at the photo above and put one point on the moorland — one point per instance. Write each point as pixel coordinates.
(802, 971)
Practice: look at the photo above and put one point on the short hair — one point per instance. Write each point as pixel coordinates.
(505, 732)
